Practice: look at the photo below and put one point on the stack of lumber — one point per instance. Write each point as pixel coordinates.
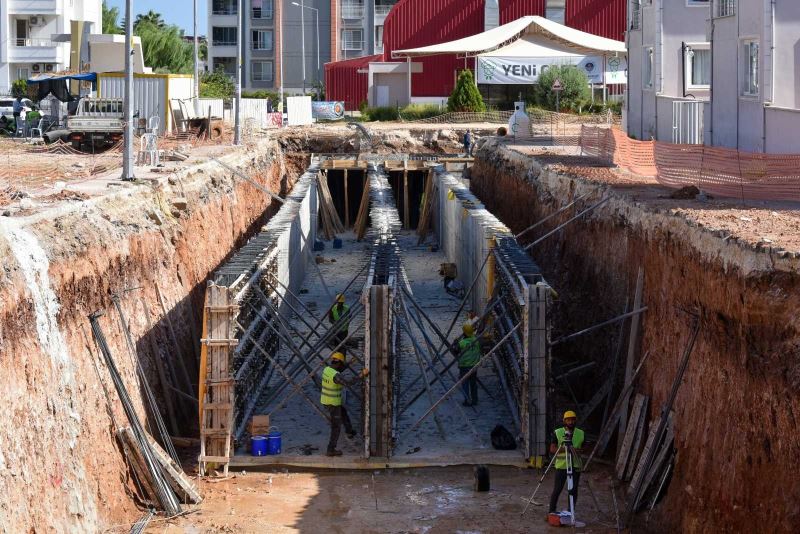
(329, 218)
(360, 226)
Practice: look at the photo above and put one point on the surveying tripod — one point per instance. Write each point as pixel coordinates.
(570, 453)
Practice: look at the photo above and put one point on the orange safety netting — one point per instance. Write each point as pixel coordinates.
(721, 171)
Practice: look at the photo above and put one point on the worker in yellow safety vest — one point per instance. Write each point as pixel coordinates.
(468, 349)
(567, 432)
(337, 311)
(332, 385)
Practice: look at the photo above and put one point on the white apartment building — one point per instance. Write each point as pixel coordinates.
(35, 36)
(314, 32)
(719, 72)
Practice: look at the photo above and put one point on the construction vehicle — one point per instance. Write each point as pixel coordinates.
(96, 125)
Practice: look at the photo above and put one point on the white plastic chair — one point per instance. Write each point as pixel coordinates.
(153, 123)
(37, 131)
(148, 150)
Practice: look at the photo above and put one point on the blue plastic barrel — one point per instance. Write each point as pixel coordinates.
(337, 242)
(258, 446)
(274, 442)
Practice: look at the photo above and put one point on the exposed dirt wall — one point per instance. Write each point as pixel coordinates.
(737, 409)
(61, 469)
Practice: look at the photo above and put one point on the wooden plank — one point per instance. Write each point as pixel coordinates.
(346, 203)
(182, 485)
(624, 458)
(639, 473)
(214, 459)
(406, 211)
(658, 464)
(138, 465)
(632, 338)
(637, 445)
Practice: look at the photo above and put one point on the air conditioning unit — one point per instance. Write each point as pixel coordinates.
(36, 67)
(36, 21)
(49, 67)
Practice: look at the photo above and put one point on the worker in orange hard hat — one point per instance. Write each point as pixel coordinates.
(566, 445)
(331, 396)
(337, 311)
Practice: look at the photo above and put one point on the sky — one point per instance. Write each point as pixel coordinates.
(178, 12)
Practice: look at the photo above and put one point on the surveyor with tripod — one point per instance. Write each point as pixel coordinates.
(566, 445)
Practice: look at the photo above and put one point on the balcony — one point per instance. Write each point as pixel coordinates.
(34, 51)
(223, 7)
(32, 7)
(382, 10)
(348, 44)
(351, 10)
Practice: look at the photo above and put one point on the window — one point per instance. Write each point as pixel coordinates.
(698, 65)
(223, 36)
(636, 14)
(697, 3)
(262, 9)
(224, 7)
(262, 71)
(225, 64)
(352, 39)
(262, 39)
(378, 36)
(726, 8)
(554, 10)
(750, 68)
(647, 68)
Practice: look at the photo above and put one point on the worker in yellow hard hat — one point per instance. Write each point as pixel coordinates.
(468, 349)
(331, 396)
(566, 445)
(337, 311)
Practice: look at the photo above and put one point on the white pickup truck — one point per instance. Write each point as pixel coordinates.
(96, 124)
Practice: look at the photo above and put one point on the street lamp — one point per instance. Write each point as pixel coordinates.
(303, 37)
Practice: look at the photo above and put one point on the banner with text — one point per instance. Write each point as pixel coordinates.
(519, 71)
(327, 110)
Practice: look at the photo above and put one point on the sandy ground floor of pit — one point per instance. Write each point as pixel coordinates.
(430, 500)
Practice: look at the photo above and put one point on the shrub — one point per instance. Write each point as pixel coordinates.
(216, 84)
(262, 94)
(576, 87)
(19, 88)
(465, 95)
(388, 113)
(414, 112)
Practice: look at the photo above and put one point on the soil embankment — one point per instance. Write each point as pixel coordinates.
(61, 469)
(736, 414)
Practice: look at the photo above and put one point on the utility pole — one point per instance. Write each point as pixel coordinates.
(303, 41)
(196, 65)
(127, 152)
(237, 124)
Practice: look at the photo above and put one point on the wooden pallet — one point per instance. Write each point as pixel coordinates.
(219, 384)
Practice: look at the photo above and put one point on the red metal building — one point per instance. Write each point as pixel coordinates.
(416, 23)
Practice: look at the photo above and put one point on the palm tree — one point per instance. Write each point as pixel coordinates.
(152, 17)
(110, 16)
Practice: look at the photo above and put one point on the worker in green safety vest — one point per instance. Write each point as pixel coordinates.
(331, 396)
(569, 430)
(337, 311)
(469, 354)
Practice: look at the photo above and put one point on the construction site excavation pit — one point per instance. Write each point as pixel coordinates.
(270, 331)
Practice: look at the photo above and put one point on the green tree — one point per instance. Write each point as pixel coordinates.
(19, 88)
(150, 17)
(216, 84)
(465, 96)
(574, 81)
(110, 19)
(164, 48)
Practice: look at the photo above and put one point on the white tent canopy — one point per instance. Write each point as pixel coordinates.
(576, 41)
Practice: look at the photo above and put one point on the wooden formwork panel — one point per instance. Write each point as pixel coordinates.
(217, 403)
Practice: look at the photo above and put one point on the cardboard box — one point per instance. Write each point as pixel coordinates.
(258, 425)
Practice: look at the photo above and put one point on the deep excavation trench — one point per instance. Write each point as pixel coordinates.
(736, 414)
(61, 468)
